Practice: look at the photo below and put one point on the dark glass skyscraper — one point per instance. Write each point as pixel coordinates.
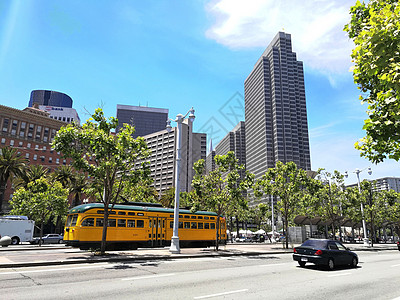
(275, 109)
(50, 98)
(146, 120)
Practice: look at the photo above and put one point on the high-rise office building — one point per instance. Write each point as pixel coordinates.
(234, 141)
(275, 109)
(146, 120)
(162, 146)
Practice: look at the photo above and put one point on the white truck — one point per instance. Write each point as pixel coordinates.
(18, 228)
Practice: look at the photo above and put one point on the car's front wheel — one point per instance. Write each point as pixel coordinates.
(302, 264)
(354, 262)
(331, 264)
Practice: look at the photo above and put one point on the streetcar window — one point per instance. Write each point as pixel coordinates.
(130, 213)
(121, 223)
(212, 225)
(122, 213)
(171, 224)
(194, 225)
(200, 226)
(150, 223)
(171, 216)
(186, 217)
(140, 214)
(206, 225)
(74, 219)
(69, 220)
(112, 223)
(206, 218)
(180, 216)
(99, 222)
(180, 224)
(212, 218)
(200, 217)
(100, 212)
(187, 224)
(111, 212)
(140, 223)
(88, 222)
(131, 223)
(193, 217)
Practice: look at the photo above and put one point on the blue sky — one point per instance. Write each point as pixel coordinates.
(178, 54)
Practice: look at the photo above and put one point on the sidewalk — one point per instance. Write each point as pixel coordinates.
(32, 256)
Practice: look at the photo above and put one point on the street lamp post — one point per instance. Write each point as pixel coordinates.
(179, 119)
(358, 171)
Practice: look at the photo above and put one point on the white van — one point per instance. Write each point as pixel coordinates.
(19, 228)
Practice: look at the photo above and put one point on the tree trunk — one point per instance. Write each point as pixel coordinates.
(2, 191)
(104, 236)
(41, 233)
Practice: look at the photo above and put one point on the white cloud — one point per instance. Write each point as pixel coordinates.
(316, 27)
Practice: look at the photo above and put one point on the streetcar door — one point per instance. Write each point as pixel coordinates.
(157, 231)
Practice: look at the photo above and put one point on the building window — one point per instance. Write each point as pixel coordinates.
(22, 129)
(46, 134)
(14, 127)
(28, 145)
(5, 124)
(38, 133)
(36, 147)
(35, 157)
(20, 144)
(30, 131)
(50, 159)
(44, 148)
(12, 143)
(64, 162)
(27, 155)
(42, 158)
(3, 141)
(57, 161)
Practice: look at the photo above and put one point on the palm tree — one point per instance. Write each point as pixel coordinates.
(64, 175)
(31, 173)
(11, 164)
(78, 185)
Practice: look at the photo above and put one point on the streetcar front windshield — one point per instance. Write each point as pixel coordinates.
(71, 220)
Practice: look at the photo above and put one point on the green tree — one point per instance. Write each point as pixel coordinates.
(142, 191)
(77, 187)
(42, 200)
(11, 164)
(374, 28)
(64, 175)
(330, 196)
(220, 189)
(111, 160)
(31, 173)
(288, 183)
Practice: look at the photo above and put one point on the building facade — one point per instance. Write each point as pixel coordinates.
(162, 159)
(50, 98)
(146, 120)
(31, 131)
(384, 184)
(65, 114)
(234, 141)
(275, 110)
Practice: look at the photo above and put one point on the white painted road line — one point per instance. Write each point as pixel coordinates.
(337, 275)
(55, 270)
(273, 265)
(221, 294)
(148, 277)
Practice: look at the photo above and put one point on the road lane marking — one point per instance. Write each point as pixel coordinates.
(54, 270)
(148, 277)
(341, 274)
(221, 294)
(272, 265)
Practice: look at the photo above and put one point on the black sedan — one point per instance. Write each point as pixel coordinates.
(324, 252)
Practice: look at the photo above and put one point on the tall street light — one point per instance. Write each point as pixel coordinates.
(358, 171)
(179, 119)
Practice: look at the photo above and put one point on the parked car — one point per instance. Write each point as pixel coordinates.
(398, 245)
(49, 239)
(5, 241)
(323, 252)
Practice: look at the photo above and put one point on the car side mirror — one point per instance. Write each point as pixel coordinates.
(348, 249)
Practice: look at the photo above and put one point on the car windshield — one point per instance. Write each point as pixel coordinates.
(316, 244)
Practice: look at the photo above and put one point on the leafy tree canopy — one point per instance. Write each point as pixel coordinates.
(375, 30)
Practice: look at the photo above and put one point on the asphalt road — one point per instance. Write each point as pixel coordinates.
(255, 277)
